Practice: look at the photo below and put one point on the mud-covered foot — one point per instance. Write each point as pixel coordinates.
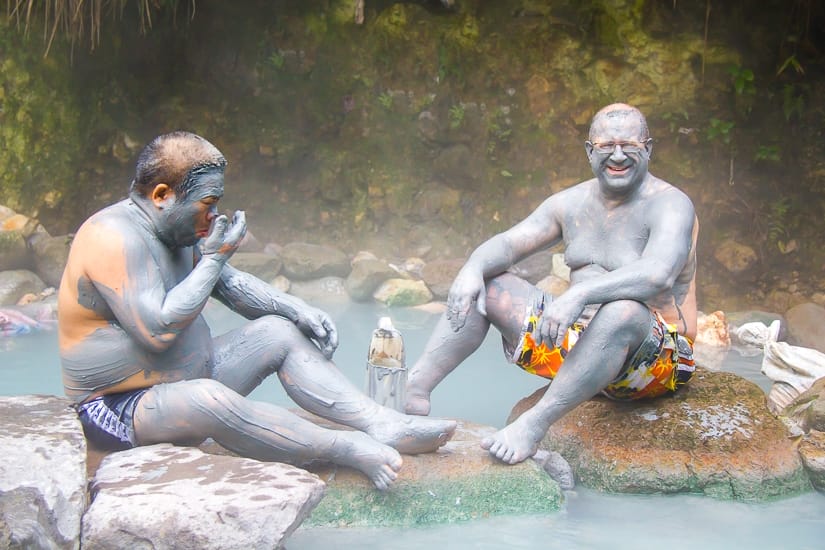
(516, 442)
(412, 434)
(379, 462)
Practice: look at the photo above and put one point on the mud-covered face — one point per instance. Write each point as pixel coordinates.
(188, 218)
(619, 152)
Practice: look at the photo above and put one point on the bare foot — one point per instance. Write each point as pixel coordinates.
(516, 442)
(411, 434)
(377, 461)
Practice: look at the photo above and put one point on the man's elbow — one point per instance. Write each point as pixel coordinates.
(661, 280)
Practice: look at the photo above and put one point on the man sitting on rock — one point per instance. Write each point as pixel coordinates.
(140, 362)
(625, 325)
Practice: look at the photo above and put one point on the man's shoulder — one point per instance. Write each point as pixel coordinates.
(110, 223)
(667, 192)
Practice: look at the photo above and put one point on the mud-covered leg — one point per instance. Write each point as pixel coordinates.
(444, 351)
(190, 411)
(507, 300)
(615, 332)
(272, 344)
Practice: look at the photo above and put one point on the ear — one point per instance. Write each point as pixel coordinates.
(649, 147)
(588, 148)
(161, 194)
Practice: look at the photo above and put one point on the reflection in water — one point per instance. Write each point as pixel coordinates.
(483, 390)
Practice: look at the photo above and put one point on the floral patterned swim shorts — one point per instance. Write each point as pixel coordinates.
(662, 363)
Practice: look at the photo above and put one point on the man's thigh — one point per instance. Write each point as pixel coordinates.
(245, 356)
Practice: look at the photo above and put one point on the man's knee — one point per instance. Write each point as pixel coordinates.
(624, 315)
(508, 296)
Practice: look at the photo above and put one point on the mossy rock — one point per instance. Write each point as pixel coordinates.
(459, 482)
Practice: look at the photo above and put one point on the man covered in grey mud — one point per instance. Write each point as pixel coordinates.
(624, 327)
(139, 359)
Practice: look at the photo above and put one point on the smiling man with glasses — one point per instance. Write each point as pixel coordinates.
(624, 327)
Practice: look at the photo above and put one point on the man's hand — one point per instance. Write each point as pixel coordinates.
(559, 315)
(223, 241)
(318, 327)
(467, 289)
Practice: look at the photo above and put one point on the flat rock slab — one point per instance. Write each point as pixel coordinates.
(714, 437)
(459, 482)
(42, 473)
(164, 496)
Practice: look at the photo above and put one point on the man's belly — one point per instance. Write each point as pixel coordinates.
(109, 361)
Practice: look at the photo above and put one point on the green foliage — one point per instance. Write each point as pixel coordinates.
(40, 130)
(675, 120)
(793, 62)
(777, 222)
(769, 153)
(720, 130)
(385, 99)
(499, 132)
(743, 80)
(276, 60)
(456, 116)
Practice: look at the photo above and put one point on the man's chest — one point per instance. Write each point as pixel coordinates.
(607, 242)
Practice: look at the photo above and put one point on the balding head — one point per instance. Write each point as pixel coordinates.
(175, 159)
(621, 111)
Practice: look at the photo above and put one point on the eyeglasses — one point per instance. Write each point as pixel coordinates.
(607, 147)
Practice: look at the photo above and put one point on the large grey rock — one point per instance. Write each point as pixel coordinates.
(16, 283)
(50, 255)
(180, 497)
(328, 291)
(366, 275)
(714, 437)
(303, 261)
(263, 266)
(439, 276)
(42, 473)
(14, 252)
(403, 293)
(806, 326)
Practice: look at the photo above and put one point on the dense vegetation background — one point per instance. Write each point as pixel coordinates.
(422, 129)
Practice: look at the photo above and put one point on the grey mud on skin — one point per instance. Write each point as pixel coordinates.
(133, 323)
(630, 243)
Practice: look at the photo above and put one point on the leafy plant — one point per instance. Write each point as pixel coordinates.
(276, 60)
(456, 116)
(385, 99)
(793, 62)
(720, 130)
(777, 224)
(743, 80)
(768, 153)
(675, 120)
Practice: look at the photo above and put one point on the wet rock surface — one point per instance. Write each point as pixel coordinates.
(459, 482)
(714, 437)
(164, 496)
(42, 473)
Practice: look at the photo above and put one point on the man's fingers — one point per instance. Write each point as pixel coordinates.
(238, 229)
(219, 226)
(332, 336)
